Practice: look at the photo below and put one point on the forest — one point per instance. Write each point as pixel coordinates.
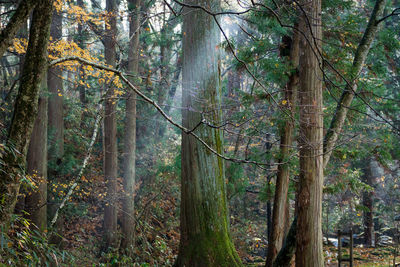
(200, 133)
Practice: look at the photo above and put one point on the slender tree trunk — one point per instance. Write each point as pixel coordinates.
(205, 239)
(309, 202)
(17, 20)
(128, 220)
(368, 220)
(80, 40)
(281, 205)
(340, 115)
(110, 134)
(37, 167)
(56, 111)
(25, 110)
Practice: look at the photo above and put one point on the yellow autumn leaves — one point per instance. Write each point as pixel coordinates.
(63, 48)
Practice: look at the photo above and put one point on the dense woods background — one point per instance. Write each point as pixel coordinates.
(198, 133)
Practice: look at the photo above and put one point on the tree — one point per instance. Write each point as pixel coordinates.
(348, 94)
(205, 239)
(309, 199)
(128, 221)
(56, 108)
(15, 23)
(110, 132)
(282, 179)
(36, 200)
(26, 108)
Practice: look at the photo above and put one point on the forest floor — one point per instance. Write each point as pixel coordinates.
(158, 231)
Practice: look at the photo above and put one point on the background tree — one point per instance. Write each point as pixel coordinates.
(128, 222)
(110, 131)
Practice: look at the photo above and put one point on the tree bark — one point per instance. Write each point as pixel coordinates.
(309, 202)
(339, 117)
(128, 220)
(282, 180)
(338, 120)
(56, 111)
(368, 218)
(17, 20)
(26, 109)
(110, 133)
(37, 167)
(285, 255)
(205, 239)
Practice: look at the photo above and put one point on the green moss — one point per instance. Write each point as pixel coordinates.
(209, 249)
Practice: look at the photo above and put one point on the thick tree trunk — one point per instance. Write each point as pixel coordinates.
(110, 134)
(26, 109)
(37, 168)
(205, 239)
(339, 118)
(281, 204)
(128, 220)
(56, 111)
(309, 202)
(17, 20)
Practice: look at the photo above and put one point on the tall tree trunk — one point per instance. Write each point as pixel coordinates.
(17, 20)
(25, 110)
(80, 40)
(56, 122)
(128, 220)
(110, 133)
(281, 204)
(56, 111)
(338, 119)
(309, 201)
(37, 167)
(205, 239)
(368, 218)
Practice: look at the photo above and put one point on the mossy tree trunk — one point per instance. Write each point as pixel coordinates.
(281, 204)
(128, 219)
(309, 201)
(17, 20)
(25, 109)
(110, 133)
(205, 239)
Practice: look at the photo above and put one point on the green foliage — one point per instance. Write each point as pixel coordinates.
(23, 245)
(237, 181)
